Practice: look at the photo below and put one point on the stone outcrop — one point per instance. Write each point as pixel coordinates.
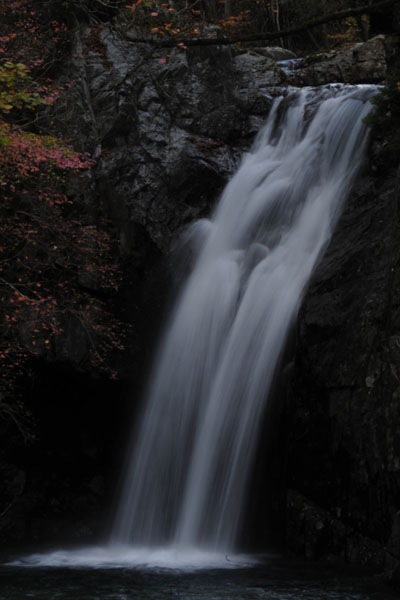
(167, 127)
(365, 62)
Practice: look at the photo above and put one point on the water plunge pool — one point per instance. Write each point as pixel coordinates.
(270, 578)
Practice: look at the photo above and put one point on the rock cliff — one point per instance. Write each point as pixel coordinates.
(344, 451)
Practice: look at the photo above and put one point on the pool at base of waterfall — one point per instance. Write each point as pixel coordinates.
(162, 577)
(124, 556)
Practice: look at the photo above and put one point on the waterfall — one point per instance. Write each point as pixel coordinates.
(198, 434)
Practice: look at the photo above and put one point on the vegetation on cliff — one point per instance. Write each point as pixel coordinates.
(57, 266)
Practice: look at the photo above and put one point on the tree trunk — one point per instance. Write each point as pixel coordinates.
(228, 9)
(209, 8)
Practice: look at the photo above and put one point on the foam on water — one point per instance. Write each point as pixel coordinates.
(143, 558)
(290, 64)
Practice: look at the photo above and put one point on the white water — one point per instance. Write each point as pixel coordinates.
(194, 450)
(139, 557)
(185, 486)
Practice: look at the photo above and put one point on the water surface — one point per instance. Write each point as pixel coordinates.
(275, 579)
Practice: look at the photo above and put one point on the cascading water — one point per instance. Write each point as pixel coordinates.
(185, 487)
(187, 479)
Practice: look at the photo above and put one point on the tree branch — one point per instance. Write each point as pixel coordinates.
(268, 36)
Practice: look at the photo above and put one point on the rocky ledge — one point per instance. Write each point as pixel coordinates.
(365, 62)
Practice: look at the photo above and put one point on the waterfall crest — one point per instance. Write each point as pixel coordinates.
(189, 469)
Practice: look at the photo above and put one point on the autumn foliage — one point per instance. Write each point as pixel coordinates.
(57, 273)
(207, 19)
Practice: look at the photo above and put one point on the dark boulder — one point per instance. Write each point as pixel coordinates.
(345, 453)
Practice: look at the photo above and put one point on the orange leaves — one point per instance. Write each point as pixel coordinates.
(168, 20)
(134, 6)
(236, 23)
(6, 38)
(185, 22)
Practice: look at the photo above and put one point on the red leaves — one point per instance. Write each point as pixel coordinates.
(28, 37)
(57, 265)
(134, 6)
(28, 153)
(44, 256)
(50, 255)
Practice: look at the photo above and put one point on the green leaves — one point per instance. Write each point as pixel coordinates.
(17, 89)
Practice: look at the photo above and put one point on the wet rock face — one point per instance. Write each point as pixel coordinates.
(346, 452)
(168, 126)
(365, 62)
